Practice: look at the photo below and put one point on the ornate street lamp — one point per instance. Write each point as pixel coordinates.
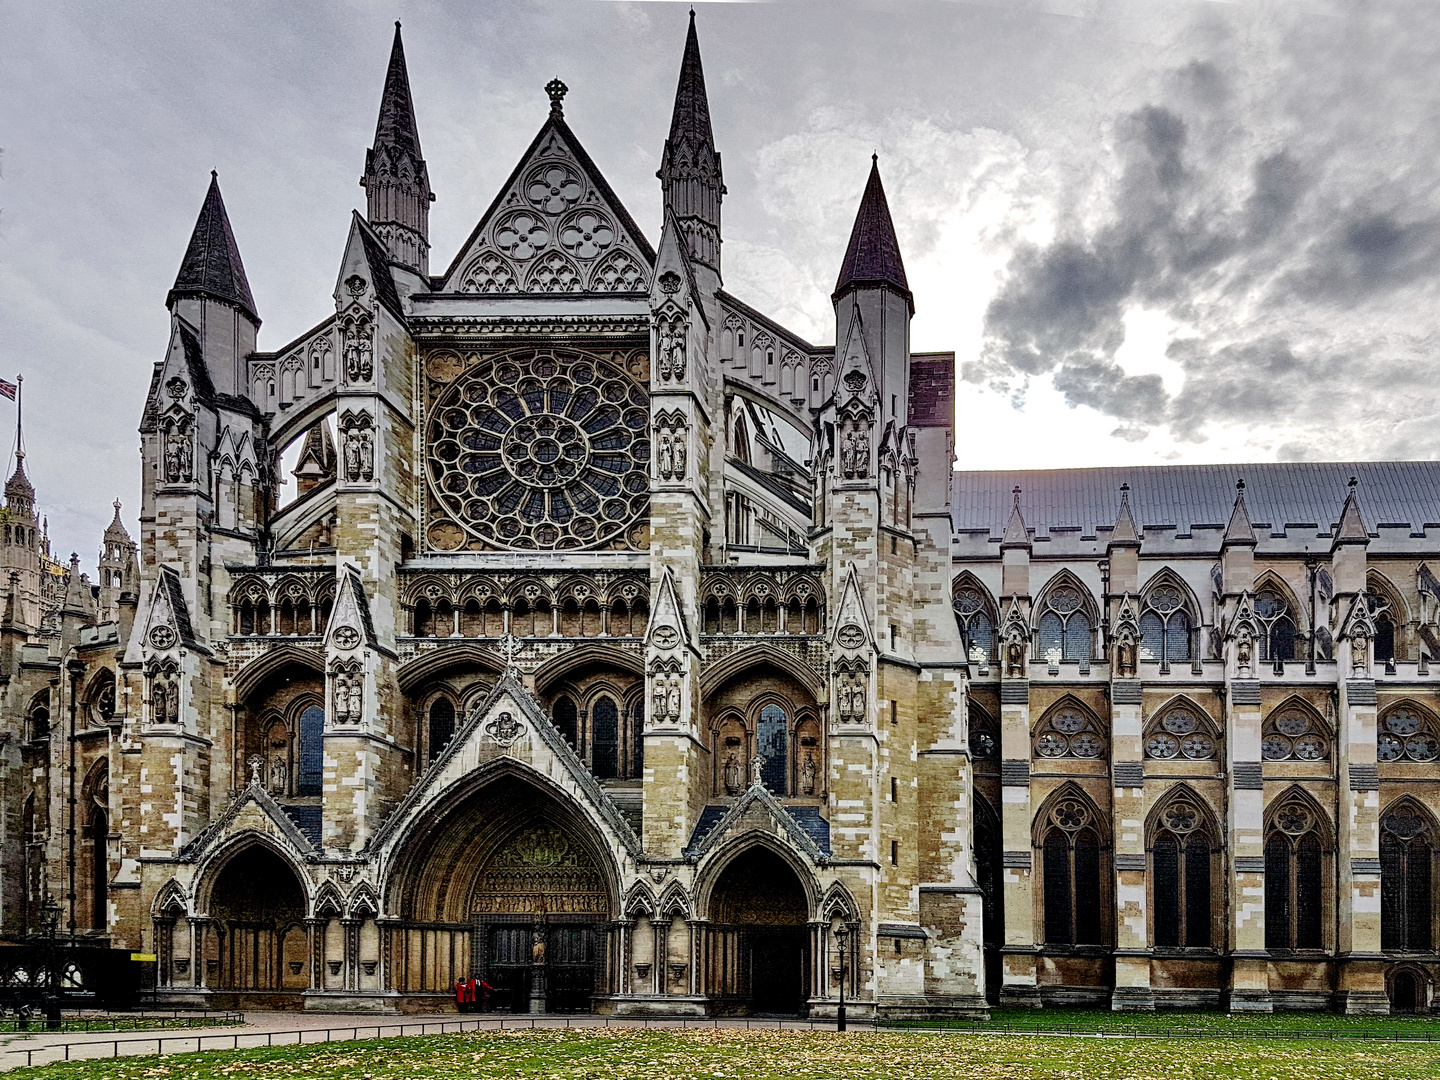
(842, 937)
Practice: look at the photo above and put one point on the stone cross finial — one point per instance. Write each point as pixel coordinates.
(256, 763)
(510, 647)
(556, 89)
(757, 764)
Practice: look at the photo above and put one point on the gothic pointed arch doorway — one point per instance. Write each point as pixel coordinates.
(256, 932)
(758, 945)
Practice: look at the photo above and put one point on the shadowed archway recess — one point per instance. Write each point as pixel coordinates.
(257, 931)
(497, 879)
(758, 947)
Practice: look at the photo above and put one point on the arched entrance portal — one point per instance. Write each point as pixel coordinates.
(1407, 993)
(258, 930)
(758, 947)
(510, 886)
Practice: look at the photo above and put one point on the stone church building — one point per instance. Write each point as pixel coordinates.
(556, 618)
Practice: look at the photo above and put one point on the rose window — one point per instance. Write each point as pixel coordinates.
(1292, 736)
(1180, 722)
(553, 188)
(1181, 817)
(1068, 721)
(1405, 735)
(587, 234)
(539, 451)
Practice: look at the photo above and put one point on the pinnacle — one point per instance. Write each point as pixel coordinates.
(1016, 533)
(1125, 531)
(1352, 522)
(396, 127)
(873, 255)
(212, 265)
(690, 121)
(1239, 530)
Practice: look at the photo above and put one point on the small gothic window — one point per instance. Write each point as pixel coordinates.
(605, 724)
(1381, 611)
(1165, 626)
(1071, 865)
(1292, 734)
(312, 734)
(772, 739)
(977, 624)
(984, 739)
(442, 725)
(637, 738)
(1293, 881)
(1068, 731)
(1179, 732)
(1277, 642)
(1407, 860)
(1180, 861)
(1065, 628)
(1407, 735)
(39, 722)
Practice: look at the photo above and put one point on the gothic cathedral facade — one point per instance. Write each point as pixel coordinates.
(561, 621)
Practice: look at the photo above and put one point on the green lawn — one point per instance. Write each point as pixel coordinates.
(771, 1055)
(1301, 1024)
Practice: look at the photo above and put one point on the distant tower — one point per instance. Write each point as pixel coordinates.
(117, 560)
(397, 186)
(690, 175)
(20, 541)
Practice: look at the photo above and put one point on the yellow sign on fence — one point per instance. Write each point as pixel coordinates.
(144, 957)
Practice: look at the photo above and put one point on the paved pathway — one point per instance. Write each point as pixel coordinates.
(281, 1028)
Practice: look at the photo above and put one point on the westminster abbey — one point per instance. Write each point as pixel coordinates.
(554, 618)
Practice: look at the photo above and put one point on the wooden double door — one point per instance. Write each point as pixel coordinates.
(556, 965)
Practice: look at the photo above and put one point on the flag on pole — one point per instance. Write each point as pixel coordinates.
(8, 389)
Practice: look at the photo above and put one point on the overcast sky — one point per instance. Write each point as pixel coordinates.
(1151, 232)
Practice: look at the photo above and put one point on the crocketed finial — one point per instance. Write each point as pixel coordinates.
(556, 89)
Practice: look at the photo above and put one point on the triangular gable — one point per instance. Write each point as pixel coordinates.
(674, 258)
(253, 810)
(509, 724)
(756, 809)
(350, 622)
(856, 377)
(851, 614)
(366, 258)
(668, 628)
(556, 228)
(165, 624)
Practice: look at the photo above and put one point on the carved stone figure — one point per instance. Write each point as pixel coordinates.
(367, 454)
(356, 700)
(660, 707)
(279, 775)
(672, 351)
(732, 773)
(679, 452)
(179, 454)
(1359, 656)
(1015, 659)
(359, 363)
(537, 945)
(160, 703)
(664, 456)
(1243, 648)
(672, 698)
(256, 763)
(757, 767)
(807, 775)
(1125, 657)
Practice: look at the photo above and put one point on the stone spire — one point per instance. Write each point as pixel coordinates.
(1352, 523)
(19, 492)
(212, 268)
(316, 463)
(1125, 531)
(396, 183)
(1016, 535)
(690, 176)
(1239, 531)
(873, 256)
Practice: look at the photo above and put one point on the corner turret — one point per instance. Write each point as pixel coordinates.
(396, 183)
(690, 176)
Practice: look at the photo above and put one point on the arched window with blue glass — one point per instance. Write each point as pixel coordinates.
(605, 725)
(772, 742)
(1067, 622)
(310, 763)
(1166, 622)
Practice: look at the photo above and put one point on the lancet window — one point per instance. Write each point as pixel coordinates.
(1279, 636)
(1294, 879)
(1071, 865)
(1182, 848)
(975, 616)
(1066, 630)
(1407, 873)
(1165, 625)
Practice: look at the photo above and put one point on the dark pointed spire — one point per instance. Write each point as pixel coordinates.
(873, 256)
(396, 183)
(19, 492)
(691, 179)
(212, 267)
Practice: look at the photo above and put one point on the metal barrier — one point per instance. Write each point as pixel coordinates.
(109, 1021)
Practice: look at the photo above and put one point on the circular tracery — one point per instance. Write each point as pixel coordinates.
(544, 450)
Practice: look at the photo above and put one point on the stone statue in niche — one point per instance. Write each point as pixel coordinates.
(679, 449)
(855, 452)
(665, 455)
(359, 451)
(356, 698)
(537, 945)
(672, 698)
(279, 775)
(732, 773)
(660, 706)
(807, 775)
(179, 454)
(1015, 659)
(359, 359)
(1125, 656)
(671, 346)
(1359, 656)
(1243, 650)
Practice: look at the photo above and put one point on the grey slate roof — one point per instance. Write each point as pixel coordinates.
(1188, 496)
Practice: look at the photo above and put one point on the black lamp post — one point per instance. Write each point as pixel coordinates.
(842, 938)
(50, 914)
